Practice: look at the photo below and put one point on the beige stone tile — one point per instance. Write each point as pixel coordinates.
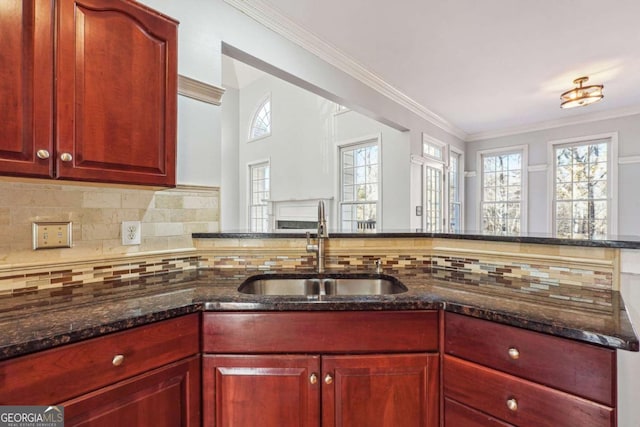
(200, 202)
(157, 215)
(167, 229)
(138, 199)
(180, 242)
(167, 201)
(154, 243)
(101, 199)
(100, 231)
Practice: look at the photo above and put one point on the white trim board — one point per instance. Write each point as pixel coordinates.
(628, 160)
(261, 12)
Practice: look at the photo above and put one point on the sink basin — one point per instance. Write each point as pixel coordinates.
(326, 284)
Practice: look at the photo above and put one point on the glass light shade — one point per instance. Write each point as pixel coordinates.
(581, 95)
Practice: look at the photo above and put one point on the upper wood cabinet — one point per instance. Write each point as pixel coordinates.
(115, 91)
(26, 87)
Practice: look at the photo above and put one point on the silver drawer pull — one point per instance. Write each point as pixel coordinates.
(118, 359)
(512, 404)
(66, 157)
(514, 353)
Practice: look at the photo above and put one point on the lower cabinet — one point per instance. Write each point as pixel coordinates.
(385, 383)
(165, 397)
(498, 375)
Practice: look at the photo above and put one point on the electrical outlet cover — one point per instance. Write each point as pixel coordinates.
(131, 232)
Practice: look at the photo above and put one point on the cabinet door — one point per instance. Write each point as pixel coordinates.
(380, 390)
(116, 93)
(26, 87)
(165, 397)
(264, 390)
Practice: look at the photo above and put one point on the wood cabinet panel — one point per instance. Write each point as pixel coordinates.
(380, 390)
(116, 97)
(489, 391)
(578, 368)
(165, 397)
(26, 87)
(459, 415)
(320, 332)
(265, 390)
(64, 372)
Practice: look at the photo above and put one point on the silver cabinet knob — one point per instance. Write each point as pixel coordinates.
(313, 378)
(66, 157)
(328, 379)
(118, 359)
(514, 353)
(512, 404)
(42, 154)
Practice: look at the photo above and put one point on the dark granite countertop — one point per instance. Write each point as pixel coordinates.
(50, 318)
(620, 242)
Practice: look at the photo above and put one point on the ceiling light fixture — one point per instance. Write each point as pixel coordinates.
(581, 95)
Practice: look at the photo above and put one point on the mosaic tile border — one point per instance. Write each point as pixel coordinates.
(16, 283)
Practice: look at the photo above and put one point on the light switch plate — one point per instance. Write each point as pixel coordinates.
(51, 235)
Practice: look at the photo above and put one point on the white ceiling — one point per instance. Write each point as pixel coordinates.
(491, 65)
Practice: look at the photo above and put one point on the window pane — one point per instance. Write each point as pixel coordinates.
(360, 183)
(581, 190)
(501, 193)
(261, 123)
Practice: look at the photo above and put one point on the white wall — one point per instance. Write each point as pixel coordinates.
(628, 129)
(204, 25)
(230, 158)
(303, 149)
(395, 173)
(299, 147)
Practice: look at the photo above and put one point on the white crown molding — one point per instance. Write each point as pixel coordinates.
(586, 118)
(199, 90)
(267, 16)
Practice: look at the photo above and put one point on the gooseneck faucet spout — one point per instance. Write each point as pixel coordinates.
(319, 247)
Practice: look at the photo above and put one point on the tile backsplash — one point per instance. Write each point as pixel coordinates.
(167, 216)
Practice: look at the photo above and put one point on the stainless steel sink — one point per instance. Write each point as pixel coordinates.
(325, 284)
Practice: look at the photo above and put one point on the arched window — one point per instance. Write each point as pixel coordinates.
(261, 123)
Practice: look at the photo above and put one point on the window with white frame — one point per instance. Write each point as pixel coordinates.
(582, 189)
(259, 189)
(360, 184)
(434, 154)
(261, 122)
(455, 191)
(502, 188)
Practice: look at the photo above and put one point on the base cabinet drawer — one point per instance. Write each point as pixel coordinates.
(517, 401)
(61, 373)
(459, 415)
(577, 368)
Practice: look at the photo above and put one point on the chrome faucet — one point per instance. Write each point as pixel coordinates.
(323, 234)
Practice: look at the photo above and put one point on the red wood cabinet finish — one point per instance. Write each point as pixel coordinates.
(459, 415)
(265, 390)
(380, 390)
(61, 373)
(578, 368)
(114, 86)
(494, 374)
(165, 397)
(116, 100)
(26, 87)
(320, 332)
(490, 391)
(370, 369)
